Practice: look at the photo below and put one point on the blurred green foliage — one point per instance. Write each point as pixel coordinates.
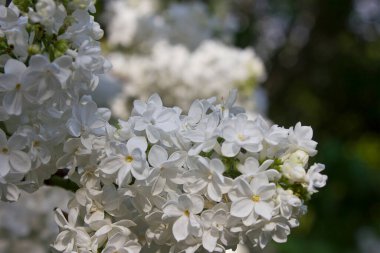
(334, 86)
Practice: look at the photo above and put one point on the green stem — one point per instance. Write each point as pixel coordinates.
(66, 184)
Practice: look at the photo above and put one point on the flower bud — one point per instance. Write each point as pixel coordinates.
(299, 157)
(60, 48)
(34, 49)
(293, 171)
(23, 5)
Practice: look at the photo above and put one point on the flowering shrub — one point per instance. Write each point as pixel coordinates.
(162, 180)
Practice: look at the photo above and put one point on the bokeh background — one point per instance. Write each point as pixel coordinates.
(322, 61)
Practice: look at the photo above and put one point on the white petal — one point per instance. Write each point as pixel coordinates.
(195, 135)
(281, 234)
(217, 165)
(214, 192)
(267, 191)
(153, 134)
(157, 155)
(180, 228)
(74, 127)
(266, 164)
(195, 112)
(230, 149)
(111, 165)
(264, 209)
(12, 192)
(229, 134)
(137, 142)
(132, 247)
(12, 102)
(242, 208)
(4, 165)
(197, 204)
(38, 61)
(73, 216)
(155, 99)
(184, 202)
(264, 239)
(3, 139)
(123, 175)
(171, 210)
(20, 161)
(158, 186)
(14, 67)
(139, 106)
(60, 218)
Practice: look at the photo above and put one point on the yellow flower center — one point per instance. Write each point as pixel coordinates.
(18, 86)
(4, 150)
(241, 137)
(256, 198)
(129, 159)
(187, 213)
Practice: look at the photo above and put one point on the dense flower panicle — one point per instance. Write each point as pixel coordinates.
(185, 200)
(202, 181)
(46, 71)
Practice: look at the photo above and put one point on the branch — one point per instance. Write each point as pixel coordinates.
(59, 180)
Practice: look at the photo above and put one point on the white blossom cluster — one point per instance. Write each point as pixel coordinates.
(181, 74)
(49, 58)
(203, 181)
(182, 51)
(162, 181)
(140, 24)
(28, 225)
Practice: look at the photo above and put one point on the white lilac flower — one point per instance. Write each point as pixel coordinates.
(227, 107)
(206, 176)
(158, 231)
(14, 28)
(252, 200)
(38, 148)
(88, 61)
(70, 236)
(214, 223)
(12, 85)
(128, 160)
(86, 119)
(12, 159)
(165, 169)
(286, 202)
(252, 168)
(8, 192)
(278, 229)
(240, 133)
(49, 14)
(314, 178)
(43, 77)
(154, 119)
(204, 135)
(121, 243)
(300, 137)
(293, 166)
(185, 210)
(105, 229)
(84, 28)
